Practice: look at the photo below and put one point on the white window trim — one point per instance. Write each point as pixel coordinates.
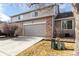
(33, 13)
(66, 18)
(66, 28)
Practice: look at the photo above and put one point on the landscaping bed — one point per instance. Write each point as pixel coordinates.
(43, 48)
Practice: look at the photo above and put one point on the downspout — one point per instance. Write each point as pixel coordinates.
(53, 19)
(52, 41)
(58, 9)
(53, 29)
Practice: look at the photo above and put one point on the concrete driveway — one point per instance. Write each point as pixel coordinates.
(13, 46)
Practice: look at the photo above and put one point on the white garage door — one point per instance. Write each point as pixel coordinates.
(35, 28)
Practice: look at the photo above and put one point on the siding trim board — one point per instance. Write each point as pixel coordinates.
(32, 19)
(65, 18)
(35, 23)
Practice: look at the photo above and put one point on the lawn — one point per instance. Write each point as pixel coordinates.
(43, 48)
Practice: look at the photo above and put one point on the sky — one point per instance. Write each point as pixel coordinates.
(65, 7)
(13, 9)
(16, 8)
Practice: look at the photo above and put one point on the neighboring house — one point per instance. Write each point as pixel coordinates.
(1, 25)
(40, 22)
(65, 24)
(3, 19)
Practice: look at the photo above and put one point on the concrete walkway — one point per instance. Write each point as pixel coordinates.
(13, 46)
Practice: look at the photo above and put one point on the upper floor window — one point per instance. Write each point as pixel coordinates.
(67, 24)
(20, 17)
(35, 14)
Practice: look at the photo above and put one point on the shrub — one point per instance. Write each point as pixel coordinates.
(9, 30)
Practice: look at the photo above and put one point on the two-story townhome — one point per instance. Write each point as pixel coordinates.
(37, 22)
(45, 22)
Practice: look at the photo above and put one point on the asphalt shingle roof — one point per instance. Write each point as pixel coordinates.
(64, 15)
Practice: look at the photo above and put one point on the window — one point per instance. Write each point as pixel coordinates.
(67, 24)
(35, 14)
(20, 17)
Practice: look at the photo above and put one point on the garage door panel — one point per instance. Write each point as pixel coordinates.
(27, 30)
(35, 29)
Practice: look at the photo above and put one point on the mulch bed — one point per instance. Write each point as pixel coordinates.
(43, 48)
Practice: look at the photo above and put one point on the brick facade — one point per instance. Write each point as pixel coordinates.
(58, 28)
(49, 27)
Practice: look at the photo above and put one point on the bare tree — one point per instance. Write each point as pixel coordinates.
(31, 5)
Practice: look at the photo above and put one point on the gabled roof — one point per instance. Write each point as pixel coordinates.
(64, 15)
(32, 10)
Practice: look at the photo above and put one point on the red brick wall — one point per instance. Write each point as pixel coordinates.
(58, 28)
(49, 26)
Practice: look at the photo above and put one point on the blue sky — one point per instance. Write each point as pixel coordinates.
(13, 9)
(65, 7)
